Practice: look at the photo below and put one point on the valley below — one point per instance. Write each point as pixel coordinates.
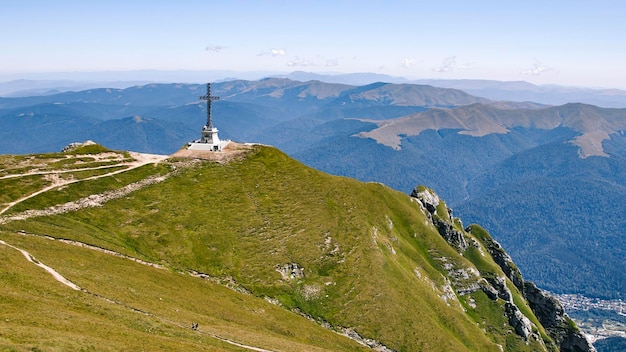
(597, 318)
(546, 181)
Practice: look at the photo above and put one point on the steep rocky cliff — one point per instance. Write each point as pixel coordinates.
(560, 328)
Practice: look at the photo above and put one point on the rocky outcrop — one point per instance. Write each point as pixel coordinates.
(554, 319)
(545, 307)
(453, 236)
(430, 201)
(489, 290)
(493, 286)
(74, 145)
(521, 324)
(290, 271)
(498, 283)
(503, 260)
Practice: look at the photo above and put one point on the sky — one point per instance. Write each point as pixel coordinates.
(575, 43)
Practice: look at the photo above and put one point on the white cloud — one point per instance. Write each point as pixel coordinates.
(318, 61)
(465, 66)
(273, 52)
(278, 52)
(408, 63)
(298, 61)
(449, 64)
(214, 48)
(537, 69)
(331, 63)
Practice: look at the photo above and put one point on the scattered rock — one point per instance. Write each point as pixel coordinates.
(521, 324)
(373, 344)
(74, 145)
(290, 271)
(310, 292)
(430, 200)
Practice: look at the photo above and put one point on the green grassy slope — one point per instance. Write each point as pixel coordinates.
(130, 306)
(356, 256)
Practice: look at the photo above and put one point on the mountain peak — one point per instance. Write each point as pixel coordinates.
(259, 237)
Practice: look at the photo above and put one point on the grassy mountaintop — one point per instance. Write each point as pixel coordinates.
(594, 124)
(260, 251)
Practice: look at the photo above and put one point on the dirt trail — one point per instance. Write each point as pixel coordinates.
(141, 159)
(60, 278)
(53, 272)
(91, 201)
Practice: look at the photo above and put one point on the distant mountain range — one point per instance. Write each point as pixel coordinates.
(25, 87)
(546, 180)
(519, 91)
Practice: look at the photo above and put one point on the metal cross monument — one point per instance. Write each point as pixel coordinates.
(209, 140)
(209, 98)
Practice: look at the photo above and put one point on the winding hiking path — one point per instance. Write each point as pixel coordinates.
(53, 272)
(93, 200)
(60, 278)
(141, 159)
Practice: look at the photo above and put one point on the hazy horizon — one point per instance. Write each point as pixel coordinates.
(563, 43)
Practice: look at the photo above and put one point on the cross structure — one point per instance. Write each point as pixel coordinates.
(209, 98)
(209, 140)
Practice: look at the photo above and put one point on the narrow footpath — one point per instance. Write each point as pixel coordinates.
(94, 200)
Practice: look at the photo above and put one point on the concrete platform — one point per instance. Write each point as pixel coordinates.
(214, 147)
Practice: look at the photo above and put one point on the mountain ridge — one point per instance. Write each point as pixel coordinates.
(271, 101)
(318, 132)
(550, 94)
(346, 254)
(519, 91)
(594, 124)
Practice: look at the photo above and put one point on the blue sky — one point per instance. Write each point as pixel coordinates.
(580, 43)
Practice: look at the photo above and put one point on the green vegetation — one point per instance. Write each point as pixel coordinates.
(543, 200)
(80, 163)
(12, 189)
(129, 306)
(341, 252)
(87, 148)
(79, 175)
(78, 190)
